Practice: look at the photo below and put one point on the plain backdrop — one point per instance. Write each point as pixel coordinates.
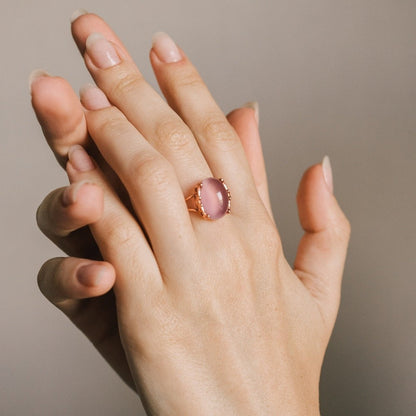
(332, 77)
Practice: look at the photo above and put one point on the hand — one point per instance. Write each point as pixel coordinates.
(270, 324)
(81, 288)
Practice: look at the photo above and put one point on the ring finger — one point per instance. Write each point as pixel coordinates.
(188, 95)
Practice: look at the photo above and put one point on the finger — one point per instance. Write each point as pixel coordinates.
(189, 97)
(82, 25)
(120, 79)
(150, 180)
(59, 112)
(245, 123)
(322, 250)
(64, 281)
(81, 289)
(62, 119)
(117, 228)
(64, 214)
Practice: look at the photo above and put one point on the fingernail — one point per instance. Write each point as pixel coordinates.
(36, 74)
(92, 98)
(165, 48)
(77, 13)
(90, 274)
(69, 196)
(327, 170)
(101, 51)
(255, 106)
(80, 160)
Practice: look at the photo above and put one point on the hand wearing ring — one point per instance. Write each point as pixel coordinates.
(211, 317)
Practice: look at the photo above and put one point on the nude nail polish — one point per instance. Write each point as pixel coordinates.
(255, 106)
(78, 13)
(92, 98)
(327, 171)
(101, 51)
(165, 48)
(69, 196)
(90, 274)
(35, 75)
(80, 160)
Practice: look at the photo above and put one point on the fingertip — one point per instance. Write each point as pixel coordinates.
(65, 280)
(311, 181)
(312, 199)
(69, 209)
(60, 114)
(317, 205)
(77, 14)
(327, 172)
(89, 23)
(254, 105)
(92, 98)
(237, 114)
(84, 193)
(35, 76)
(47, 89)
(83, 202)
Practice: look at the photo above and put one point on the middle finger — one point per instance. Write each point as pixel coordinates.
(120, 79)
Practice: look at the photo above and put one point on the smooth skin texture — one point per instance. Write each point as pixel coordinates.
(208, 325)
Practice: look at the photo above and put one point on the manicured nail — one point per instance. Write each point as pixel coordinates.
(90, 274)
(255, 106)
(101, 51)
(327, 170)
(69, 196)
(36, 74)
(165, 48)
(92, 98)
(78, 13)
(80, 160)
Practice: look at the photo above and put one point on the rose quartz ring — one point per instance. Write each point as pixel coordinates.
(211, 199)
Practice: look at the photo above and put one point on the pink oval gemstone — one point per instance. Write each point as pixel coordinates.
(214, 198)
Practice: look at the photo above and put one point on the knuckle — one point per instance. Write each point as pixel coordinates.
(190, 80)
(126, 82)
(218, 132)
(150, 171)
(113, 124)
(175, 136)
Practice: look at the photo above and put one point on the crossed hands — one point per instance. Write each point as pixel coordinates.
(199, 317)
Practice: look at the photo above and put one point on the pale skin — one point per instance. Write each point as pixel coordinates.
(199, 317)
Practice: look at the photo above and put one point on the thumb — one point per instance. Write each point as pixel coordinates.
(322, 250)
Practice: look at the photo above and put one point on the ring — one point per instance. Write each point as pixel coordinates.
(211, 199)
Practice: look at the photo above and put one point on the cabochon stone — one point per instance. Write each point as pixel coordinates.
(214, 198)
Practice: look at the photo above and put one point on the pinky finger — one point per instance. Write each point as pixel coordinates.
(245, 121)
(65, 281)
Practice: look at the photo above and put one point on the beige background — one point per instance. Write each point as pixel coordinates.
(332, 77)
